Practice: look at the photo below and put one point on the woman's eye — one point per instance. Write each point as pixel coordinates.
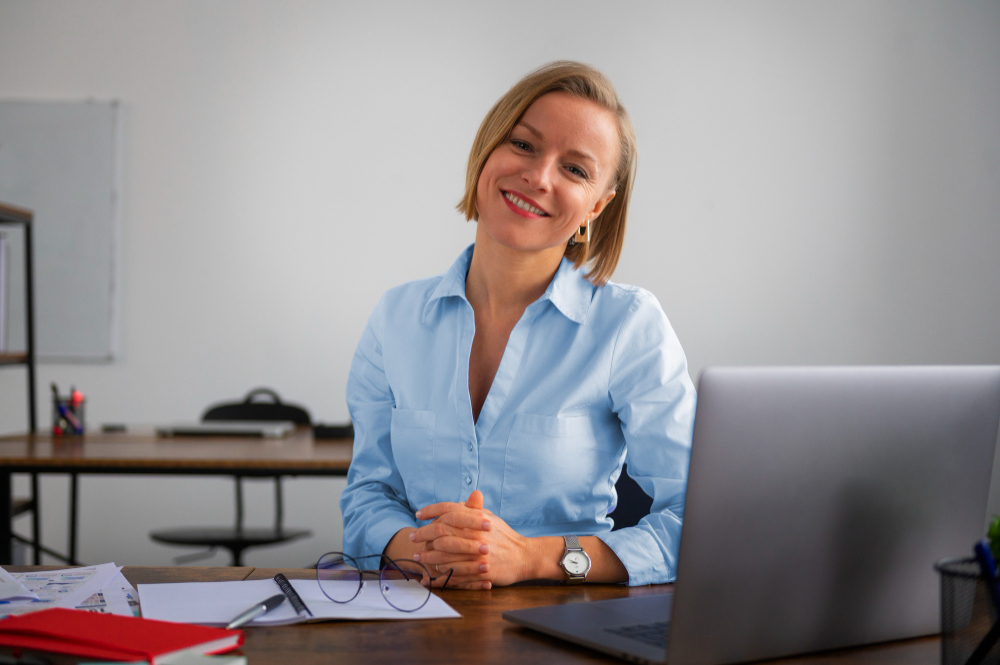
(577, 171)
(519, 144)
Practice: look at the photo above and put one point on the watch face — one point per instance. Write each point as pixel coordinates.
(575, 563)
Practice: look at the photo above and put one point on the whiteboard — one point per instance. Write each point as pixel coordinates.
(61, 160)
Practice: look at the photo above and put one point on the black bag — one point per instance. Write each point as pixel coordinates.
(249, 409)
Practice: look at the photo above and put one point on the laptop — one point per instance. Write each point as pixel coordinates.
(274, 429)
(818, 500)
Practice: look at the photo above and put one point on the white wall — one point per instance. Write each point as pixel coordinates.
(818, 183)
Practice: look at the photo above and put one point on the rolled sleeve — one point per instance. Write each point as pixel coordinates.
(373, 503)
(655, 401)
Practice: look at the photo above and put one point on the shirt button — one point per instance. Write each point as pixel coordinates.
(470, 447)
(468, 480)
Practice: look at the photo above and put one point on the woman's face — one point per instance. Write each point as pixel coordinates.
(550, 176)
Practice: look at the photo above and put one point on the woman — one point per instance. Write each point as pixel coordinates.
(494, 405)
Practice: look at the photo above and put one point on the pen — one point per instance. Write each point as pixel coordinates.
(255, 611)
(988, 565)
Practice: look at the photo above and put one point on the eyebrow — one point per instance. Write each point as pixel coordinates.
(576, 153)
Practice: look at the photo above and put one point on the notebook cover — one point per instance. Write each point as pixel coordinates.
(111, 637)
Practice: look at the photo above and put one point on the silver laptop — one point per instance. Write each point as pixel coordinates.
(273, 429)
(818, 500)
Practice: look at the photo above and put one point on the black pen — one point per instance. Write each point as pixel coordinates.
(255, 611)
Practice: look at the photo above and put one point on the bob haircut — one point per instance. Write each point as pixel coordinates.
(607, 232)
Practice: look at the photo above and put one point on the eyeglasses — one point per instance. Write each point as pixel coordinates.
(341, 579)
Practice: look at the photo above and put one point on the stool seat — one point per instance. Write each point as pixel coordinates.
(230, 538)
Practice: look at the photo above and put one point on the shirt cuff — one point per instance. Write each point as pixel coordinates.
(639, 551)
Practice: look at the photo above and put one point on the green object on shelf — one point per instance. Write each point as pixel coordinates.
(993, 533)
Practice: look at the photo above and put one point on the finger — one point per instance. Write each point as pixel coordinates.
(458, 545)
(475, 500)
(438, 509)
(439, 529)
(461, 569)
(433, 558)
(468, 519)
(472, 586)
(470, 582)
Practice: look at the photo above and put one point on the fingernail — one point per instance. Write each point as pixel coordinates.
(484, 549)
(484, 567)
(413, 535)
(416, 557)
(488, 585)
(487, 525)
(418, 515)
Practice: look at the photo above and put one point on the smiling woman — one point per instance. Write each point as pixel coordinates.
(495, 405)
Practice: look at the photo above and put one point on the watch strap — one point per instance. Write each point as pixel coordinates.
(572, 544)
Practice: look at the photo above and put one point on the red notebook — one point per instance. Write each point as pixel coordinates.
(111, 637)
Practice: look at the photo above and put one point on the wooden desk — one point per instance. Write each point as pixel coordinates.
(146, 453)
(481, 636)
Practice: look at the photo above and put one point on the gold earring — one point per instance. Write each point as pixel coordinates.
(582, 234)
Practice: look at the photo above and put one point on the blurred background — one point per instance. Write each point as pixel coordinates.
(819, 183)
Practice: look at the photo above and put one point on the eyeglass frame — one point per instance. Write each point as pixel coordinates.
(384, 563)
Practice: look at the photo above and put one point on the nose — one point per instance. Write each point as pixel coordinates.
(539, 173)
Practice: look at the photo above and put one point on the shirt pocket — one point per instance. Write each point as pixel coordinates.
(411, 435)
(551, 467)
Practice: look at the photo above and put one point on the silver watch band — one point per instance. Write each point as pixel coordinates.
(572, 544)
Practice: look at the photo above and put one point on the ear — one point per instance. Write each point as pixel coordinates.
(601, 203)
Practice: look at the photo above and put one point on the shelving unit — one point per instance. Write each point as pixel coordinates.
(14, 216)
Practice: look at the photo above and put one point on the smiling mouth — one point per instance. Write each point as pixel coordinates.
(524, 205)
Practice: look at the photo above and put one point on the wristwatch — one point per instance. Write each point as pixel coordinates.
(575, 562)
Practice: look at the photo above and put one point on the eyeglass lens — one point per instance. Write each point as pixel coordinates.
(400, 585)
(340, 580)
(339, 577)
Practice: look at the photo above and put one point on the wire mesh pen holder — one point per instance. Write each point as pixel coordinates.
(970, 625)
(67, 415)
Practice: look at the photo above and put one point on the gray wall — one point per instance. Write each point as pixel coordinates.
(818, 183)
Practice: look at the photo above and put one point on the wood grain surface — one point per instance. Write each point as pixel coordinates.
(481, 636)
(145, 452)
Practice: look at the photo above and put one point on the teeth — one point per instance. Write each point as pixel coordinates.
(524, 205)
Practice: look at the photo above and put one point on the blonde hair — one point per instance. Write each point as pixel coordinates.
(607, 230)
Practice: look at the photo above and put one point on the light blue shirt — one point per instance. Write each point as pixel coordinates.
(592, 377)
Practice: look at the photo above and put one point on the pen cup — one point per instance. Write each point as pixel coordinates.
(967, 612)
(67, 415)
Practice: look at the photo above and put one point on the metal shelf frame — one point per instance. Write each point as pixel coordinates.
(14, 216)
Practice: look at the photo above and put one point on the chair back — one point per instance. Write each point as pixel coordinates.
(633, 502)
(253, 408)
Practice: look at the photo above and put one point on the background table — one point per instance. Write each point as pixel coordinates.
(145, 453)
(481, 636)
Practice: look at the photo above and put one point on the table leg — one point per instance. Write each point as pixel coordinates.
(36, 519)
(6, 552)
(72, 518)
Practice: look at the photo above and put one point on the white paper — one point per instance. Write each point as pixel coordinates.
(69, 587)
(11, 589)
(218, 603)
(128, 591)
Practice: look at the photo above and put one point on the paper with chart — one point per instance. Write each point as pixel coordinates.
(217, 603)
(11, 589)
(70, 587)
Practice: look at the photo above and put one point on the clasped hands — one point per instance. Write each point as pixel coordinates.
(478, 547)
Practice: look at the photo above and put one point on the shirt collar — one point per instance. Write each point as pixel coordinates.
(569, 291)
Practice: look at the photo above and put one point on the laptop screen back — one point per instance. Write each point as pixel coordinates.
(818, 500)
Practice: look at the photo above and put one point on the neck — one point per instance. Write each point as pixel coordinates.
(503, 281)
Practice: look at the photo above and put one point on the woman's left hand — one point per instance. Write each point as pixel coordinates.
(479, 547)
